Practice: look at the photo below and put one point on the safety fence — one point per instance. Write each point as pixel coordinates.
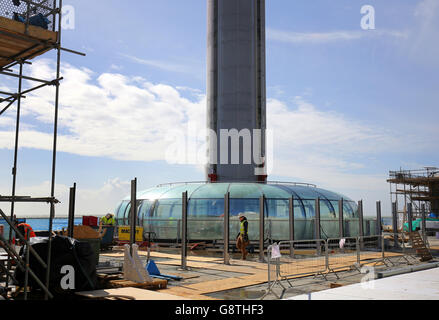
(295, 259)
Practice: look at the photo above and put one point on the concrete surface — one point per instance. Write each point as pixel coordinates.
(421, 285)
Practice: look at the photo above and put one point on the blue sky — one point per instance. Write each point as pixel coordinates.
(346, 105)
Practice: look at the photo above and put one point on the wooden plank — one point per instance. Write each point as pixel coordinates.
(186, 293)
(11, 46)
(155, 284)
(33, 31)
(135, 293)
(156, 254)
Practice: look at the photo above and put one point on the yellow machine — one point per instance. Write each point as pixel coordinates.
(124, 233)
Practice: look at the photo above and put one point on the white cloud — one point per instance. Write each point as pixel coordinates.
(113, 116)
(327, 37)
(163, 65)
(422, 44)
(108, 115)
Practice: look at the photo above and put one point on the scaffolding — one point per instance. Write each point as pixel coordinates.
(415, 189)
(28, 28)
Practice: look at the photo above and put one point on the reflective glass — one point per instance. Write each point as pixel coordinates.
(277, 208)
(206, 208)
(250, 207)
(245, 191)
(274, 192)
(211, 191)
(177, 191)
(168, 208)
(329, 195)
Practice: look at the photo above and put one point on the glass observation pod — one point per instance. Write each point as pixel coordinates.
(160, 211)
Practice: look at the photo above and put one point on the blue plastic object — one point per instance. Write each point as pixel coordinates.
(154, 272)
(152, 268)
(40, 21)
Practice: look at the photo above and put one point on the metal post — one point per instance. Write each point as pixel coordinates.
(178, 231)
(291, 223)
(226, 227)
(424, 224)
(395, 223)
(361, 223)
(379, 228)
(410, 217)
(261, 228)
(318, 234)
(72, 199)
(317, 223)
(55, 144)
(184, 231)
(26, 275)
(341, 218)
(133, 214)
(360, 219)
(14, 169)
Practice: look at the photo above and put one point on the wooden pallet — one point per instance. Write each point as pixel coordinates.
(419, 245)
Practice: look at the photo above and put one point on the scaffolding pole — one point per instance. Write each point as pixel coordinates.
(32, 46)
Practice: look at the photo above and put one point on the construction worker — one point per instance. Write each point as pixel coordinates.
(242, 240)
(108, 220)
(26, 230)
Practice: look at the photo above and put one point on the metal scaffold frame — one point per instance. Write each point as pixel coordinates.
(411, 191)
(51, 10)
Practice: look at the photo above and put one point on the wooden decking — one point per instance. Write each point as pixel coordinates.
(16, 44)
(246, 273)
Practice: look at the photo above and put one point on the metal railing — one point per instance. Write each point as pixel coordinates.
(293, 259)
(400, 243)
(30, 12)
(342, 254)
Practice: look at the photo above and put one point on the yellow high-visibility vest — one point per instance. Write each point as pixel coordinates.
(108, 222)
(242, 229)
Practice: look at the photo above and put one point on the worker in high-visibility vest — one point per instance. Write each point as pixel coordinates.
(108, 220)
(242, 240)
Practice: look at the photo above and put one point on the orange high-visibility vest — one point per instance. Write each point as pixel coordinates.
(27, 230)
